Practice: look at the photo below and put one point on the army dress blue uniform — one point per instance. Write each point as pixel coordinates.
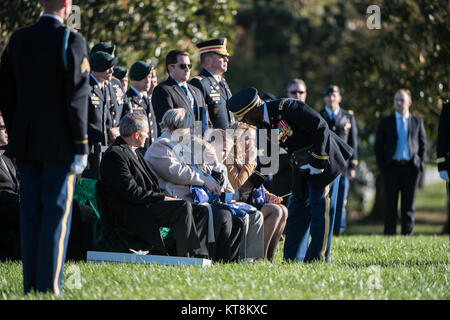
(216, 93)
(117, 95)
(137, 103)
(344, 125)
(314, 196)
(47, 125)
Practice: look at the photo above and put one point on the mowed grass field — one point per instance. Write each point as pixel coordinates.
(364, 265)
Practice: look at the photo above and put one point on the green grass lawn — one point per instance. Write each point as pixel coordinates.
(361, 267)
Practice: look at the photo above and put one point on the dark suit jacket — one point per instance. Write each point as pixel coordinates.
(9, 183)
(127, 182)
(46, 119)
(443, 143)
(386, 141)
(168, 95)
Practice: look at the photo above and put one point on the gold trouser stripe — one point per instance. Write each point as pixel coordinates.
(70, 181)
(327, 223)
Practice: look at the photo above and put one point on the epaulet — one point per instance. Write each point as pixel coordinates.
(198, 77)
(282, 102)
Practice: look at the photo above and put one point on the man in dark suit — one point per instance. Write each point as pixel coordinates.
(312, 206)
(443, 154)
(211, 82)
(175, 92)
(130, 191)
(137, 99)
(400, 150)
(341, 122)
(47, 126)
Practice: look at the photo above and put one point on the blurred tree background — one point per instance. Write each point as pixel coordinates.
(323, 42)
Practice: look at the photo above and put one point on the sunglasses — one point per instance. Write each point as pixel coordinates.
(184, 66)
(297, 91)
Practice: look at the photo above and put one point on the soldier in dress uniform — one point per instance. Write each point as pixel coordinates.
(319, 156)
(47, 131)
(211, 82)
(121, 74)
(118, 85)
(341, 122)
(137, 99)
(100, 122)
(116, 91)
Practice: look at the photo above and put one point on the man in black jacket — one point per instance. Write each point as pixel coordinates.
(175, 92)
(130, 191)
(47, 127)
(400, 150)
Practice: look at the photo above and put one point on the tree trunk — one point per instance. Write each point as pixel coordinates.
(377, 212)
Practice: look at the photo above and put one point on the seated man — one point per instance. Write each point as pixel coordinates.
(9, 201)
(133, 199)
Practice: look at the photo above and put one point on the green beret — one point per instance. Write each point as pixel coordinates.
(330, 89)
(119, 73)
(101, 61)
(104, 47)
(139, 70)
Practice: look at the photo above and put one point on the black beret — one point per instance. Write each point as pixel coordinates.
(215, 45)
(101, 61)
(330, 89)
(139, 70)
(119, 73)
(242, 102)
(104, 47)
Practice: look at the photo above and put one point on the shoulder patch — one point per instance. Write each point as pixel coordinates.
(85, 66)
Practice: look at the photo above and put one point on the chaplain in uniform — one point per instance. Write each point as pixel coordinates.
(47, 126)
(137, 99)
(211, 82)
(319, 157)
(341, 122)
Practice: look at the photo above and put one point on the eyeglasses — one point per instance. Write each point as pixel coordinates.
(184, 66)
(297, 91)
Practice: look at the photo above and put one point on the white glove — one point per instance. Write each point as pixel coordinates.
(79, 163)
(444, 175)
(312, 170)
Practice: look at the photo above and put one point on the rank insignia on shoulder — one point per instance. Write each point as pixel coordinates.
(280, 106)
(85, 66)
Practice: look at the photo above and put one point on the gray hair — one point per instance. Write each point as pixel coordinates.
(176, 118)
(131, 123)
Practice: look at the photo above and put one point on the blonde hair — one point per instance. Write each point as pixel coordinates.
(240, 130)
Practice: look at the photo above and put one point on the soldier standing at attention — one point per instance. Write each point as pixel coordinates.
(341, 122)
(214, 60)
(47, 126)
